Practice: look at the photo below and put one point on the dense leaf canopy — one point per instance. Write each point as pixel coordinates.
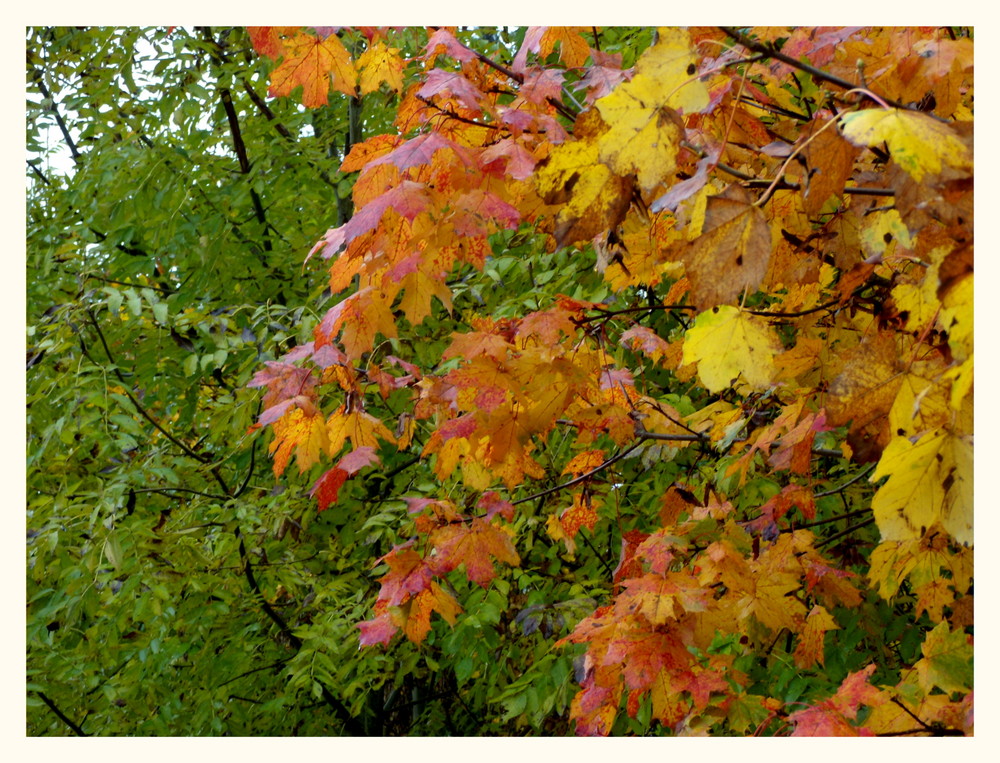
(456, 381)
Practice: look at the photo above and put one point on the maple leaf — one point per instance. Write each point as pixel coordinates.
(518, 162)
(834, 716)
(731, 255)
(452, 83)
(573, 49)
(379, 64)
(645, 129)
(327, 487)
(283, 381)
(593, 199)
(474, 547)
(930, 481)
(809, 650)
(581, 514)
(947, 662)
(831, 161)
(408, 575)
(313, 62)
(362, 429)
(662, 598)
(418, 611)
(648, 341)
(419, 151)
(267, 40)
(443, 38)
(727, 343)
(920, 144)
(358, 318)
(541, 84)
(379, 630)
(299, 430)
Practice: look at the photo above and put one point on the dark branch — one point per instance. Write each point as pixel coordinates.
(61, 715)
(37, 77)
(769, 51)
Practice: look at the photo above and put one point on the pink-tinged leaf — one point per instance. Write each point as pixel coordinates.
(493, 504)
(299, 352)
(475, 547)
(327, 487)
(531, 44)
(517, 161)
(327, 356)
(416, 505)
(440, 81)
(777, 148)
(378, 630)
(283, 381)
(331, 243)
(372, 148)
(475, 209)
(408, 367)
(442, 38)
(421, 150)
(275, 412)
(517, 120)
(490, 398)
(463, 426)
(645, 340)
(408, 199)
(616, 378)
(541, 84)
(405, 267)
(601, 80)
(325, 31)
(408, 575)
(358, 459)
(686, 188)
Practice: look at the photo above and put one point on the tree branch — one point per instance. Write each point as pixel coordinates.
(37, 77)
(338, 707)
(61, 715)
(769, 51)
(145, 414)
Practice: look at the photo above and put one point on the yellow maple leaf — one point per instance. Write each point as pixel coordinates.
(304, 433)
(956, 317)
(362, 429)
(592, 198)
(919, 144)
(929, 481)
(727, 343)
(809, 650)
(379, 64)
(645, 127)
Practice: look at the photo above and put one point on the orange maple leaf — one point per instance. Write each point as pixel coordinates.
(313, 63)
(474, 546)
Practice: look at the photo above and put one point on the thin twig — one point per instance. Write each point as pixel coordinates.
(577, 480)
(858, 476)
(848, 531)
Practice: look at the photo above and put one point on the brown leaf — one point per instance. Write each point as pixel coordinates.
(732, 252)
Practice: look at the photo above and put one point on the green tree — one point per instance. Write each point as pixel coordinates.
(629, 392)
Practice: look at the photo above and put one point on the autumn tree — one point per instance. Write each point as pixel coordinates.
(630, 391)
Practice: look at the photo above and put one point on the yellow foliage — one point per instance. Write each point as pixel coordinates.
(727, 344)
